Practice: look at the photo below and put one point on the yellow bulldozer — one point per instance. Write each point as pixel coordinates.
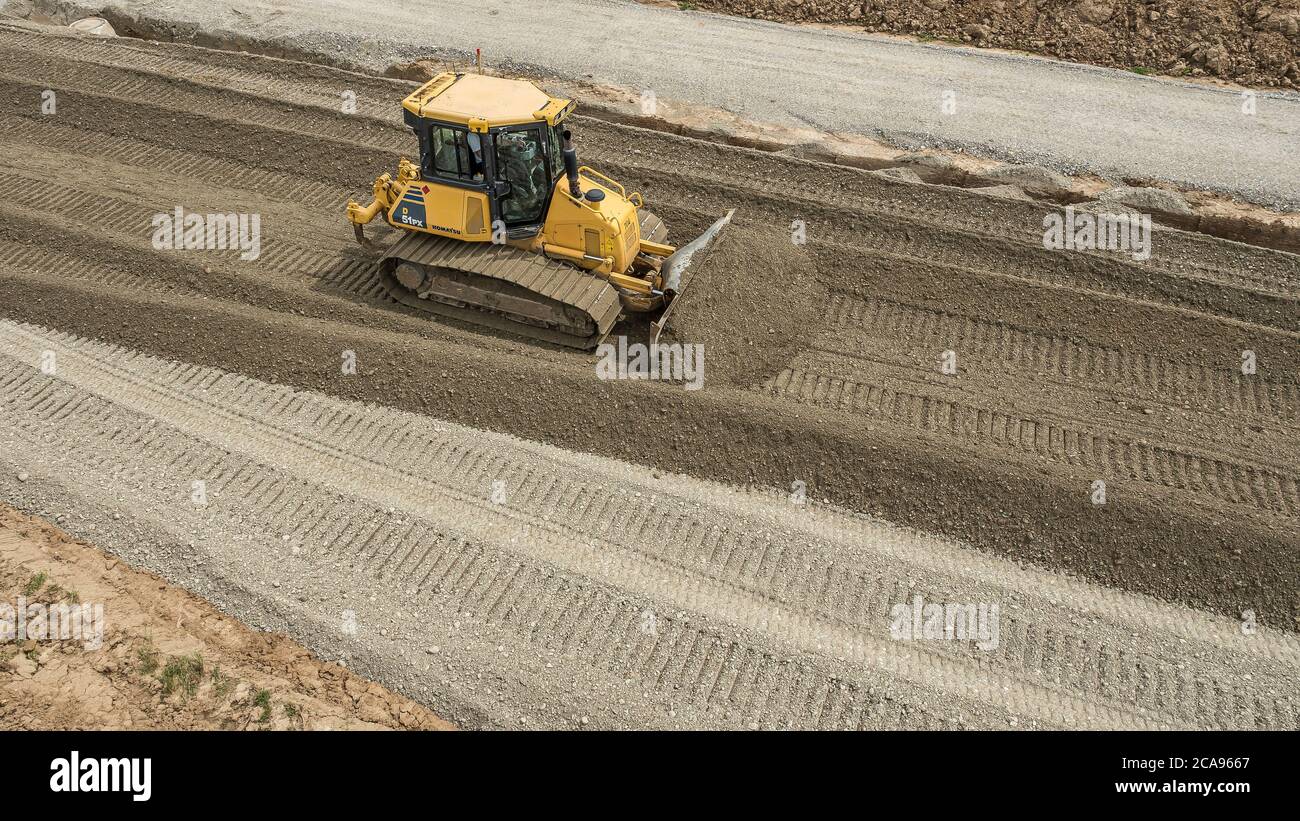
(503, 228)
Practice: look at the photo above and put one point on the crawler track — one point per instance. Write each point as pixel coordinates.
(531, 294)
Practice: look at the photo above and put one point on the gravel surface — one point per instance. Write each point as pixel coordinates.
(754, 301)
(1071, 368)
(1072, 117)
(510, 584)
(378, 486)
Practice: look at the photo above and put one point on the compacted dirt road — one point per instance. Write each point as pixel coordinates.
(516, 584)
(1072, 117)
(559, 593)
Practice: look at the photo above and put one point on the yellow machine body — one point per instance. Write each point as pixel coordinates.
(497, 167)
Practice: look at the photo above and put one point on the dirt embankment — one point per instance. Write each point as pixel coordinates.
(166, 659)
(1252, 42)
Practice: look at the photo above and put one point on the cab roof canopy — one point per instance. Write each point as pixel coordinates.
(480, 102)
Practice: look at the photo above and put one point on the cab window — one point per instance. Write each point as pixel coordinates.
(456, 153)
(522, 163)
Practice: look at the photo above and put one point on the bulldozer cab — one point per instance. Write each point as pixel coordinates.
(488, 139)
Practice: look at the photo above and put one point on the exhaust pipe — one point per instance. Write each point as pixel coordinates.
(571, 164)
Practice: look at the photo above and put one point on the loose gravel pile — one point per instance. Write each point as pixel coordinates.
(753, 302)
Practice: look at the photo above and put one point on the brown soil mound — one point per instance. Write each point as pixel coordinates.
(167, 660)
(1249, 42)
(752, 304)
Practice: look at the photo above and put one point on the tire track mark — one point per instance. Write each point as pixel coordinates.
(723, 563)
(1110, 454)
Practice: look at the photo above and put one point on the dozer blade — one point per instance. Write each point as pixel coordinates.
(677, 274)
